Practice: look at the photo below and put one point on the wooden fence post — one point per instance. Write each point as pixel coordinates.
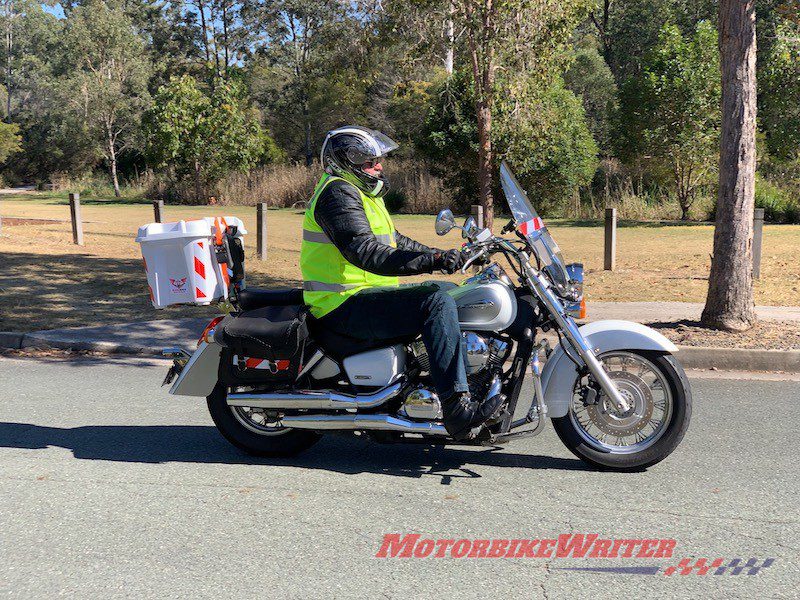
(75, 215)
(610, 255)
(477, 213)
(758, 234)
(261, 230)
(158, 209)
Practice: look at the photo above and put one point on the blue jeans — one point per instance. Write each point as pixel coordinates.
(389, 313)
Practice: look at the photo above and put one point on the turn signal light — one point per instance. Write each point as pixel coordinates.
(582, 314)
(209, 329)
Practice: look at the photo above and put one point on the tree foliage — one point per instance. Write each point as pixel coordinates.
(544, 136)
(105, 83)
(201, 137)
(591, 79)
(780, 91)
(672, 110)
(462, 84)
(9, 140)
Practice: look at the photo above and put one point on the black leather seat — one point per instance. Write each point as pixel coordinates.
(253, 298)
(334, 344)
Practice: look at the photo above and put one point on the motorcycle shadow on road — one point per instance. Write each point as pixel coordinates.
(156, 444)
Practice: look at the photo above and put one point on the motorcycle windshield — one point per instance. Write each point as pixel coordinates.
(530, 224)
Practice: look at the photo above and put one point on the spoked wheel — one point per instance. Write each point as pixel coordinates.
(254, 430)
(657, 391)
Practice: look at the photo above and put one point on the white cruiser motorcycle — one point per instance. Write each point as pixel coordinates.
(615, 393)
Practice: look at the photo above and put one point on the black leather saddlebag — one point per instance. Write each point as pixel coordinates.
(266, 344)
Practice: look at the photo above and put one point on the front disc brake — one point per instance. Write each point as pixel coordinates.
(610, 421)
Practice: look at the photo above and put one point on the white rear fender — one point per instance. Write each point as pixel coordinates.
(559, 372)
(200, 374)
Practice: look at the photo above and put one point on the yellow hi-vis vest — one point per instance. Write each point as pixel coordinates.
(328, 278)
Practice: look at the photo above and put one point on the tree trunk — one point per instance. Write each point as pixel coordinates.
(684, 210)
(114, 177)
(201, 8)
(729, 304)
(307, 142)
(198, 187)
(451, 38)
(485, 163)
(112, 157)
(225, 35)
(9, 51)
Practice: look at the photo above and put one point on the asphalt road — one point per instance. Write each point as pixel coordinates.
(111, 488)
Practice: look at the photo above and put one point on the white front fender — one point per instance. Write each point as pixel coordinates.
(559, 373)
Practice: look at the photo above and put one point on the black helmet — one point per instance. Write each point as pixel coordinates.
(346, 149)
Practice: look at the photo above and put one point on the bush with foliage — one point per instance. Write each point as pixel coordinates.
(779, 203)
(671, 112)
(541, 132)
(199, 137)
(9, 140)
(590, 78)
(780, 92)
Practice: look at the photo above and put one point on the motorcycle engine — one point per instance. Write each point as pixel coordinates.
(485, 358)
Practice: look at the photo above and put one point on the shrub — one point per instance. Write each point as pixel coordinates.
(779, 205)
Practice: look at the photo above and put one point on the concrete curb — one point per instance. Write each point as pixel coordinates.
(691, 357)
(11, 339)
(33, 342)
(739, 359)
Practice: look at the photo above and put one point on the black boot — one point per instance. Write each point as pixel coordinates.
(462, 414)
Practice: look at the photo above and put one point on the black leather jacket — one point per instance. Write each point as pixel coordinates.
(340, 213)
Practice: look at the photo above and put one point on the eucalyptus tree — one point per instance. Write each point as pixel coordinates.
(729, 304)
(105, 79)
(305, 70)
(521, 40)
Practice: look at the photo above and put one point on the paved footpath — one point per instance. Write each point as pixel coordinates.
(113, 489)
(150, 337)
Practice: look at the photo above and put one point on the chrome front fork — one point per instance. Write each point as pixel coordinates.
(567, 325)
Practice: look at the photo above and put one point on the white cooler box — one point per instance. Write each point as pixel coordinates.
(181, 262)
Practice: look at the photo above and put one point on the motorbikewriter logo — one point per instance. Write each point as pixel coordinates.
(178, 285)
(570, 545)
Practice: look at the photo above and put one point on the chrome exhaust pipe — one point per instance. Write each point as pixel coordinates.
(373, 422)
(314, 400)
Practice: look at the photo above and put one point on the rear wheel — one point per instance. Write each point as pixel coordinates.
(660, 401)
(254, 431)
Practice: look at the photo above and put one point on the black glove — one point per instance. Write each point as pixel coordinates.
(449, 261)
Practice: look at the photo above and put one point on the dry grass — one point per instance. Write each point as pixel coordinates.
(47, 282)
(279, 186)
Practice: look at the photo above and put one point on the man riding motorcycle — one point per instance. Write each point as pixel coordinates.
(351, 258)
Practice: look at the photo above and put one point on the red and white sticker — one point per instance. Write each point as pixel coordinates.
(200, 271)
(262, 363)
(534, 224)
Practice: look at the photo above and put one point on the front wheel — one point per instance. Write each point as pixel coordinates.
(660, 399)
(254, 431)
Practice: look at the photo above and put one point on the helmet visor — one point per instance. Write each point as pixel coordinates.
(385, 143)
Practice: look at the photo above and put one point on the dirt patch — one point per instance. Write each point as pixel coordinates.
(26, 221)
(770, 335)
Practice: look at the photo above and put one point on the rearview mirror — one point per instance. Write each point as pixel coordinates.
(470, 229)
(445, 221)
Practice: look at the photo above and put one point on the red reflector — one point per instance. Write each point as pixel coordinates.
(204, 336)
